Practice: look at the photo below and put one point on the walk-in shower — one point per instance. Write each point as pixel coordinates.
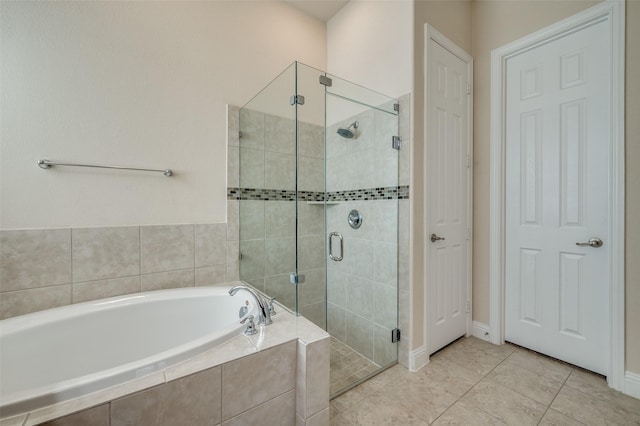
(319, 212)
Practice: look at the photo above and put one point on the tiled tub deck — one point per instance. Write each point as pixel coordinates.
(280, 376)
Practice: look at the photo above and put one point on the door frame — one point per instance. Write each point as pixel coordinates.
(430, 33)
(613, 12)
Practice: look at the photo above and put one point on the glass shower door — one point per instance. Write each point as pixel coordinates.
(362, 227)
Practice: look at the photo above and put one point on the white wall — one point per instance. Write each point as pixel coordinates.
(142, 84)
(371, 43)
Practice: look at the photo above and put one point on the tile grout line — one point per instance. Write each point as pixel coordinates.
(556, 396)
(476, 384)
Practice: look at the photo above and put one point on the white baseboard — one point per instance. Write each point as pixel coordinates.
(632, 384)
(418, 358)
(481, 331)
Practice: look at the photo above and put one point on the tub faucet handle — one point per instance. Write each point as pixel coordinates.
(272, 309)
(251, 327)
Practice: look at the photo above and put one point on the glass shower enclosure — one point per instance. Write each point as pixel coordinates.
(319, 212)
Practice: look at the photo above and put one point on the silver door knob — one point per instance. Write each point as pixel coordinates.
(593, 242)
(435, 238)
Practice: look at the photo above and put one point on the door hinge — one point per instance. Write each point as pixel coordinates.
(396, 142)
(396, 107)
(326, 81)
(395, 335)
(468, 161)
(296, 278)
(468, 87)
(468, 307)
(296, 99)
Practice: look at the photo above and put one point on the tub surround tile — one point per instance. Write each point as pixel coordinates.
(74, 405)
(210, 244)
(280, 256)
(252, 263)
(312, 387)
(193, 400)
(167, 280)
(103, 253)
(22, 302)
(233, 220)
(142, 408)
(34, 258)
(279, 411)
(96, 416)
(18, 420)
(166, 248)
(240, 375)
(252, 225)
(239, 346)
(210, 275)
(93, 290)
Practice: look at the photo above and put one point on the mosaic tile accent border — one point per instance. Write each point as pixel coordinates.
(387, 193)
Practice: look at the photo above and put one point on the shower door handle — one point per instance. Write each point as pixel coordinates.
(331, 256)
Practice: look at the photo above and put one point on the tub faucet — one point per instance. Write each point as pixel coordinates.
(264, 315)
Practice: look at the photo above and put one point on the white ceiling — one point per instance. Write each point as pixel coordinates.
(321, 9)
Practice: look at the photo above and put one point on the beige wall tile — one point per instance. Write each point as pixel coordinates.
(280, 219)
(240, 375)
(311, 174)
(252, 128)
(167, 280)
(233, 262)
(93, 290)
(312, 290)
(315, 312)
(252, 263)
(233, 220)
(310, 140)
(233, 125)
(102, 253)
(279, 171)
(233, 167)
(210, 244)
(251, 167)
(96, 416)
(251, 219)
(210, 275)
(280, 411)
(166, 248)
(37, 299)
(280, 256)
(360, 334)
(34, 258)
(384, 352)
(280, 287)
(279, 134)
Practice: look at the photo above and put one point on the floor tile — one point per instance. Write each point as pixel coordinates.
(555, 418)
(596, 385)
(475, 354)
(591, 410)
(376, 410)
(508, 406)
(463, 414)
(540, 364)
(525, 382)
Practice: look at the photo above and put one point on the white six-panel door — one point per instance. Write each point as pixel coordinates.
(557, 145)
(447, 193)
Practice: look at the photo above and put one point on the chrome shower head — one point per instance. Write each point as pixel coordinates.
(350, 131)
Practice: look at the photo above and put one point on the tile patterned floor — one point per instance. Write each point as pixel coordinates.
(473, 382)
(347, 366)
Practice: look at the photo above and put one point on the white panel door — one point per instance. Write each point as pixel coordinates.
(557, 127)
(447, 194)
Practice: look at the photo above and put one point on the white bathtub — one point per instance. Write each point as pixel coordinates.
(63, 353)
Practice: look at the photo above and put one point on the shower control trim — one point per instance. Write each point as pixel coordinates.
(331, 256)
